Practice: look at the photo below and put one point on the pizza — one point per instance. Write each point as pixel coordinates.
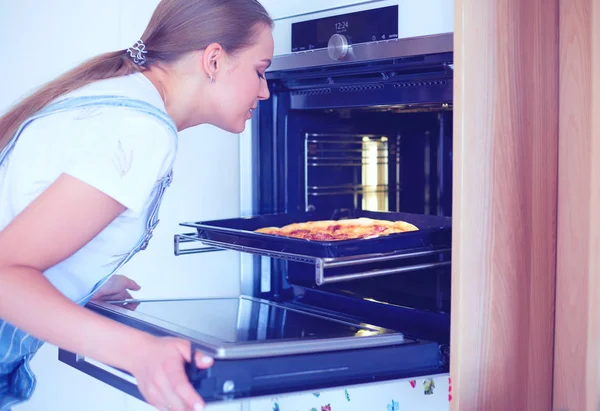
(336, 230)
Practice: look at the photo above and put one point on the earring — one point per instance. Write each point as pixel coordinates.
(212, 80)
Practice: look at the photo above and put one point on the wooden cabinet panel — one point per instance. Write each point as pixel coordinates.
(573, 205)
(593, 305)
(504, 218)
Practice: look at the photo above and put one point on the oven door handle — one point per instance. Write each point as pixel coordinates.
(190, 238)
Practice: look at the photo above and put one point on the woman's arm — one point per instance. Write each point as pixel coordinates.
(58, 223)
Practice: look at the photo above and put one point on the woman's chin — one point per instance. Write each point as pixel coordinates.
(232, 128)
(239, 128)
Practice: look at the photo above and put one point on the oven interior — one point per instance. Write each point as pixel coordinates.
(387, 158)
(372, 136)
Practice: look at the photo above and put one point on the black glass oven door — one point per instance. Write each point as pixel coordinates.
(265, 348)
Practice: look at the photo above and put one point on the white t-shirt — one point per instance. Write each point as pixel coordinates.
(120, 152)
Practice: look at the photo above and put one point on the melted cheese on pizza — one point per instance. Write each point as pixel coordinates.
(336, 230)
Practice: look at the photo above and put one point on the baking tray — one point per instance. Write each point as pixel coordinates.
(435, 232)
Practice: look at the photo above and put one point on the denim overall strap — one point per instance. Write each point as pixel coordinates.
(76, 103)
(151, 223)
(17, 381)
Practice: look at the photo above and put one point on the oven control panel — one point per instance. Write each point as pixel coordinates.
(338, 33)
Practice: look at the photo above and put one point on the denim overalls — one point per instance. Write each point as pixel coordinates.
(17, 381)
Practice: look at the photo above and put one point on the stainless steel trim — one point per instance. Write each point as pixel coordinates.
(258, 349)
(341, 164)
(152, 300)
(317, 158)
(376, 273)
(258, 251)
(353, 192)
(321, 264)
(273, 349)
(178, 239)
(375, 258)
(379, 50)
(352, 187)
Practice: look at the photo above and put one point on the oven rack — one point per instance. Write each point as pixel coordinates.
(321, 264)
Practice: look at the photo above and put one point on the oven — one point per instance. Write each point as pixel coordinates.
(359, 124)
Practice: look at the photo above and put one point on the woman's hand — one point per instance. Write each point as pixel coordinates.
(116, 289)
(160, 373)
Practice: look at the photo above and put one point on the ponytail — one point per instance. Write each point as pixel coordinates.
(108, 65)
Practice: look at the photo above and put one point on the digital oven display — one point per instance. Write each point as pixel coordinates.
(360, 27)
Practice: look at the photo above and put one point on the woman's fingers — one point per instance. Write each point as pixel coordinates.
(131, 285)
(203, 361)
(161, 375)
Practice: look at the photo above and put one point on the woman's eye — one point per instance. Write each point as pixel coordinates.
(260, 75)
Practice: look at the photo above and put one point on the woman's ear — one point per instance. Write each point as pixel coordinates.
(211, 60)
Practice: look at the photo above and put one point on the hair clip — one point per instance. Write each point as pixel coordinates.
(140, 48)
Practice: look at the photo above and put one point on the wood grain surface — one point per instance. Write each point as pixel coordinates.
(505, 201)
(574, 195)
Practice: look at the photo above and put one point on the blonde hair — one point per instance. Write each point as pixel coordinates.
(176, 27)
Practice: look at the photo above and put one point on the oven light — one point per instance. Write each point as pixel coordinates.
(374, 174)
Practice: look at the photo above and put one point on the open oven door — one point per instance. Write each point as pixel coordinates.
(263, 348)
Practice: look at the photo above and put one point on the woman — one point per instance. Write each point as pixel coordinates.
(83, 166)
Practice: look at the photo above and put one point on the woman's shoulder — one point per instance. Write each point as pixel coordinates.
(147, 124)
(134, 86)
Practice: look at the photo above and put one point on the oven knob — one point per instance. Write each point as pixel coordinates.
(338, 47)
